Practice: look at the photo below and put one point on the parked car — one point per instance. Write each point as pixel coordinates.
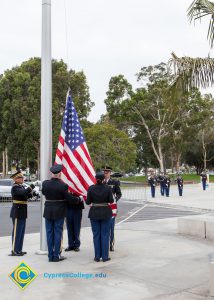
(116, 174)
(5, 189)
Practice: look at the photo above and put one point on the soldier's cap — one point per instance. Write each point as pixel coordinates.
(106, 168)
(55, 169)
(18, 174)
(99, 175)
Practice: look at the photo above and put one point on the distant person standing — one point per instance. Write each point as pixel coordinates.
(180, 183)
(160, 180)
(167, 182)
(204, 180)
(152, 182)
(115, 185)
(99, 196)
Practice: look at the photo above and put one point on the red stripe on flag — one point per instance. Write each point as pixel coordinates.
(59, 154)
(77, 190)
(86, 154)
(75, 170)
(61, 140)
(83, 164)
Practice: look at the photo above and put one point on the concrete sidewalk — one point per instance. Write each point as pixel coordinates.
(151, 261)
(193, 197)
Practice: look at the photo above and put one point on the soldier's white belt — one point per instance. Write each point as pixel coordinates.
(19, 202)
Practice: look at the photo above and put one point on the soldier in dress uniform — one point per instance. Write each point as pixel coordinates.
(180, 183)
(57, 197)
(204, 180)
(152, 182)
(115, 185)
(99, 196)
(20, 196)
(160, 180)
(167, 182)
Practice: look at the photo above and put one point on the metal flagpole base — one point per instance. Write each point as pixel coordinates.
(41, 252)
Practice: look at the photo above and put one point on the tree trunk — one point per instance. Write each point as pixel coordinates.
(157, 152)
(38, 164)
(204, 150)
(6, 162)
(172, 160)
(178, 157)
(161, 160)
(3, 164)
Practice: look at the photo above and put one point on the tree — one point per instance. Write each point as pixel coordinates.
(196, 72)
(153, 107)
(110, 146)
(20, 106)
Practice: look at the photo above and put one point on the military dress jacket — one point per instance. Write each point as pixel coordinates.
(203, 177)
(115, 185)
(20, 195)
(180, 182)
(152, 181)
(99, 195)
(160, 179)
(57, 198)
(167, 181)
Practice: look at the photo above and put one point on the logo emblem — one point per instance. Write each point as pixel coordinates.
(22, 275)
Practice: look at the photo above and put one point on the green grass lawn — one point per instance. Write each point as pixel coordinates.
(186, 177)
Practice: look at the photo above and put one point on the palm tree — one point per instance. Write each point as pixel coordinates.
(196, 72)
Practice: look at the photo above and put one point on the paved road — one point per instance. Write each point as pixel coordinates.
(129, 210)
(33, 221)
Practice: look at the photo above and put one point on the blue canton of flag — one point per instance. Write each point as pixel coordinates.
(71, 126)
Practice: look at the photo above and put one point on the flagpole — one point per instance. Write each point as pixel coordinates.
(46, 111)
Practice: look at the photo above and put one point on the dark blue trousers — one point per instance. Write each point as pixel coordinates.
(153, 191)
(73, 222)
(162, 189)
(18, 234)
(54, 229)
(167, 191)
(101, 235)
(112, 231)
(204, 185)
(180, 190)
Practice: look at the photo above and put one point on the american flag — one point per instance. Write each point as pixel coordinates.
(72, 153)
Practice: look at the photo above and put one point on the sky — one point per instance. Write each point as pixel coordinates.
(103, 38)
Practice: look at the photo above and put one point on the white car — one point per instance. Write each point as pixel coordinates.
(5, 189)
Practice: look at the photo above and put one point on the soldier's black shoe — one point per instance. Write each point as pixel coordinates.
(13, 253)
(96, 259)
(56, 259)
(23, 252)
(104, 260)
(76, 249)
(69, 249)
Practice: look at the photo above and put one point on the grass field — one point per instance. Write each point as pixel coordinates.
(186, 177)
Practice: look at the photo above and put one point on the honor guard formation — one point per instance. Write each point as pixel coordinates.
(61, 206)
(165, 181)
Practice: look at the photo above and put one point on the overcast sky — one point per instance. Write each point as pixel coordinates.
(104, 37)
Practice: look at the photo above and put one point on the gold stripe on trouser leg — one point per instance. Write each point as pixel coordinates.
(14, 234)
(62, 237)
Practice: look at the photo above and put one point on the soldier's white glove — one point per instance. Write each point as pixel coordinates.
(81, 198)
